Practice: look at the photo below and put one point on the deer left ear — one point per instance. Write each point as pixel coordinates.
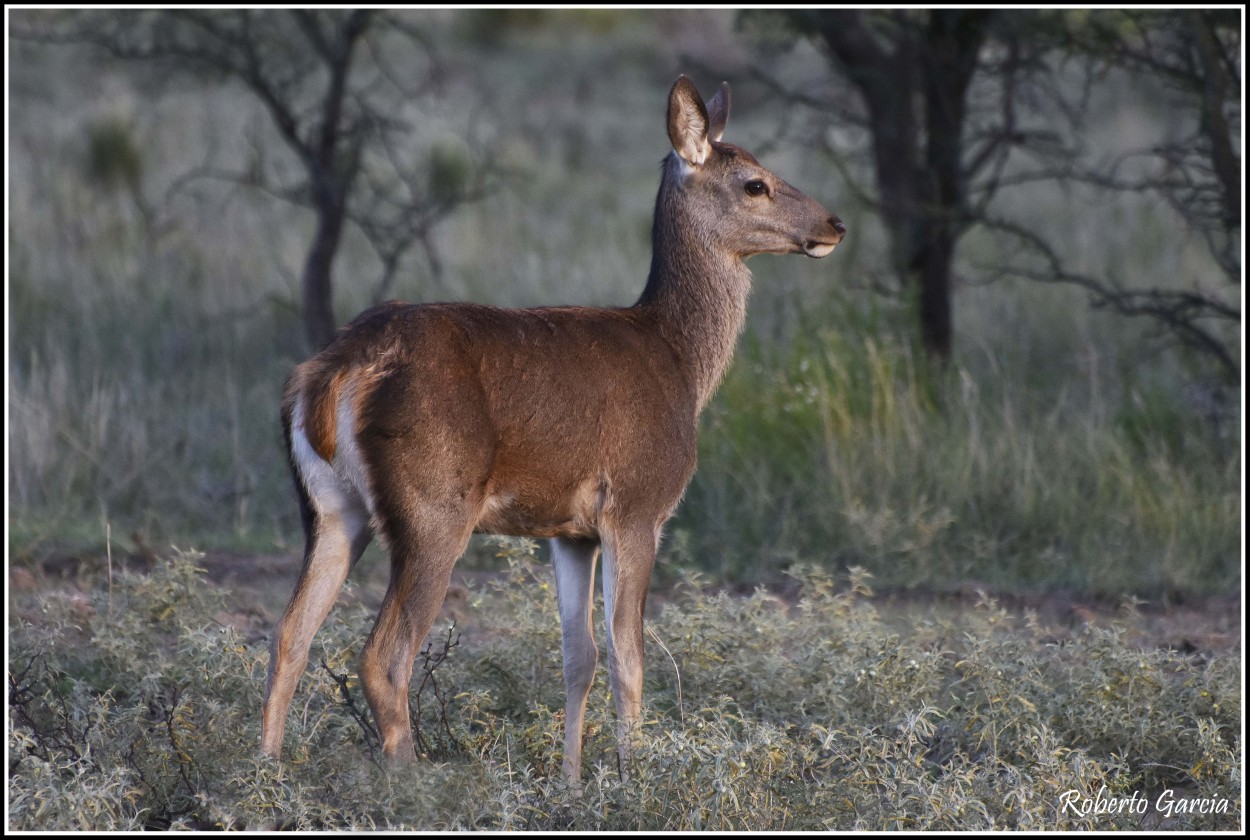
(688, 123)
(718, 112)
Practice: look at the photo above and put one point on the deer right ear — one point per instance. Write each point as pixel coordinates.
(688, 123)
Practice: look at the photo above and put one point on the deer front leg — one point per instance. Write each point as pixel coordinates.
(574, 562)
(629, 555)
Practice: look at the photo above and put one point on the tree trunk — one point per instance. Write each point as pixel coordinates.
(1214, 125)
(920, 183)
(953, 42)
(319, 322)
(331, 167)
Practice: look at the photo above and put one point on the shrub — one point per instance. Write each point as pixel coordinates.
(139, 708)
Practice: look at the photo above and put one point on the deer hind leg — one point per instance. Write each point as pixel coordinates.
(422, 557)
(628, 557)
(574, 562)
(336, 534)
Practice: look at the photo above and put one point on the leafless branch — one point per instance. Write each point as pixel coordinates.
(1183, 313)
(372, 739)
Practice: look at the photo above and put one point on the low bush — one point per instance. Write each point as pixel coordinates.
(138, 707)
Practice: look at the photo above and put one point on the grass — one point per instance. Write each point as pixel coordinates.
(136, 706)
(843, 447)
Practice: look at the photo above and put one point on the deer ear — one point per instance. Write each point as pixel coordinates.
(688, 123)
(718, 112)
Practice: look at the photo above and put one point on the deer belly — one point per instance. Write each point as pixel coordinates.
(528, 512)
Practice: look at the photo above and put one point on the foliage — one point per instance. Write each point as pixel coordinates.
(845, 448)
(113, 158)
(139, 708)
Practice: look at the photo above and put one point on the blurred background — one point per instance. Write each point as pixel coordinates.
(1022, 369)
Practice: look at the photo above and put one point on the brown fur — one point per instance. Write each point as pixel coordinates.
(572, 423)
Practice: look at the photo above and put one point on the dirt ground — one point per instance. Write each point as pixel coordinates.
(260, 585)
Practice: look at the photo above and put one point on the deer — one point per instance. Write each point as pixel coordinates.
(422, 424)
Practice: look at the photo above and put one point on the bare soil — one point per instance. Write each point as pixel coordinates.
(260, 585)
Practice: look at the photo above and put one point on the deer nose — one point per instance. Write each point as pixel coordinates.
(837, 225)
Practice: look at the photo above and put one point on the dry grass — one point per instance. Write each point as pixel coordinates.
(135, 706)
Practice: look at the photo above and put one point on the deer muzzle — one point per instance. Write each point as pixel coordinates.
(822, 244)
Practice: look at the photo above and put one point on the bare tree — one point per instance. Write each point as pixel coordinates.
(962, 104)
(325, 80)
(1191, 56)
(912, 70)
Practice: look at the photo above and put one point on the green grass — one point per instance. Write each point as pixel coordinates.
(844, 448)
(134, 706)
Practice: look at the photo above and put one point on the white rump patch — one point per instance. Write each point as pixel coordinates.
(340, 489)
(349, 465)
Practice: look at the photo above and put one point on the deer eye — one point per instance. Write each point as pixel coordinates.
(756, 188)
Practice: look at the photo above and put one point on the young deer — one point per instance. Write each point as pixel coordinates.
(426, 423)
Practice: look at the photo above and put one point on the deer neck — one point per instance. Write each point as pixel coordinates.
(696, 293)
